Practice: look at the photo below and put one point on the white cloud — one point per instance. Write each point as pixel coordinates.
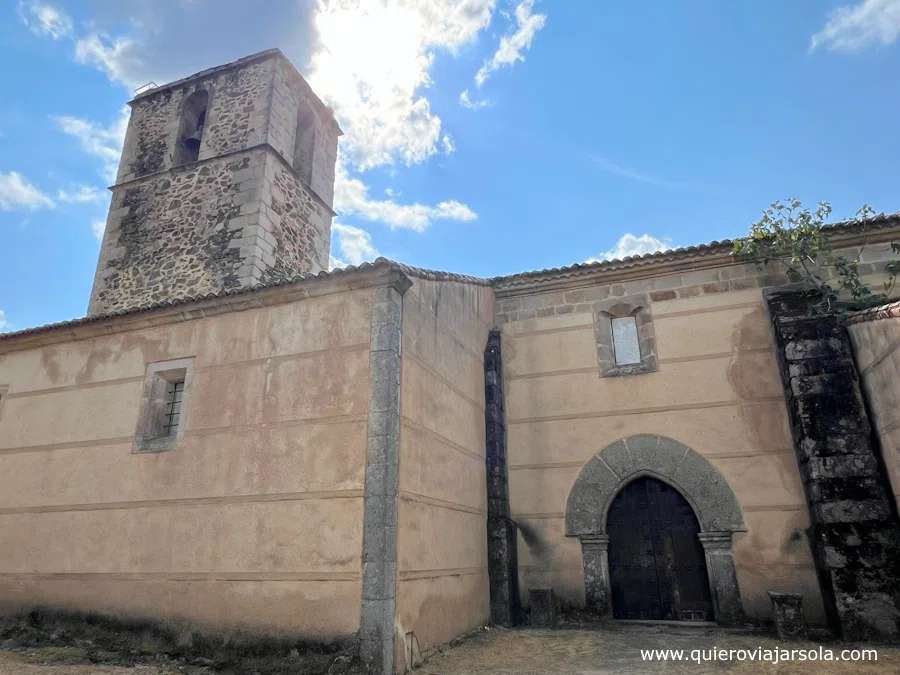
(82, 194)
(611, 167)
(98, 227)
(851, 27)
(351, 196)
(16, 193)
(118, 57)
(466, 101)
(3, 322)
(45, 19)
(513, 44)
(355, 244)
(447, 144)
(630, 245)
(97, 140)
(136, 41)
(373, 61)
(633, 174)
(370, 60)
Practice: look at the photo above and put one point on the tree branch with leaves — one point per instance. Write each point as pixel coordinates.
(801, 240)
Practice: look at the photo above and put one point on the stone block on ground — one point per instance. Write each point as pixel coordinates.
(787, 610)
(543, 607)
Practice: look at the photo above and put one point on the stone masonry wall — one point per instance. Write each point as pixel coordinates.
(299, 224)
(289, 93)
(224, 223)
(176, 234)
(240, 215)
(855, 532)
(513, 305)
(237, 118)
(522, 302)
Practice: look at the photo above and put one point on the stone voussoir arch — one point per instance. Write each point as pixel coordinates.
(699, 482)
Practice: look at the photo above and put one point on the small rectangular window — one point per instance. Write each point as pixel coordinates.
(174, 394)
(625, 340)
(164, 405)
(3, 390)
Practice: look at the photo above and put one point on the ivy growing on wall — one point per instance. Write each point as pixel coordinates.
(789, 234)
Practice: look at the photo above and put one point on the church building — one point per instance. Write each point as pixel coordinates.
(235, 436)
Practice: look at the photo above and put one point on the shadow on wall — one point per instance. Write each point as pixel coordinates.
(536, 546)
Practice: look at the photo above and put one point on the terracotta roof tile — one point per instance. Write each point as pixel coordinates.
(712, 248)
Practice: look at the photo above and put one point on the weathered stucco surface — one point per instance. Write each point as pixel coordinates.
(717, 391)
(330, 476)
(442, 588)
(876, 346)
(254, 519)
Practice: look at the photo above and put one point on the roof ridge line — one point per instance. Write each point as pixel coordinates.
(433, 275)
(879, 221)
(188, 299)
(521, 278)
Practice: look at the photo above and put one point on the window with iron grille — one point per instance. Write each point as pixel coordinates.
(164, 405)
(174, 396)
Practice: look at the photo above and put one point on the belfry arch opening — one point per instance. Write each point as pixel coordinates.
(657, 566)
(190, 129)
(305, 142)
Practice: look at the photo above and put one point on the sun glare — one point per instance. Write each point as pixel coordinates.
(372, 65)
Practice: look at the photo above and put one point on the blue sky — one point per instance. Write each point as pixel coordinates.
(482, 136)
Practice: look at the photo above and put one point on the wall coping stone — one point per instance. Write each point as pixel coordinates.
(691, 258)
(705, 256)
(302, 287)
(888, 311)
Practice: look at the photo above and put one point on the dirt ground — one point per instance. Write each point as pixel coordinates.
(46, 642)
(614, 650)
(54, 663)
(617, 651)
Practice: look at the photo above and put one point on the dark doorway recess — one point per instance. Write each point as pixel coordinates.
(657, 566)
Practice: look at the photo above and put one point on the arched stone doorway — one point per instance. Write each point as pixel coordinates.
(696, 481)
(657, 569)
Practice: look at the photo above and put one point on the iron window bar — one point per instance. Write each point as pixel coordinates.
(174, 395)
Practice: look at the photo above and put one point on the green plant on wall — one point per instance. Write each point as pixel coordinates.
(800, 239)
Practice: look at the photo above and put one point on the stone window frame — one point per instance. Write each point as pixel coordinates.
(151, 415)
(605, 311)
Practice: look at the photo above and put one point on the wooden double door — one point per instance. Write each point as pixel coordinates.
(657, 566)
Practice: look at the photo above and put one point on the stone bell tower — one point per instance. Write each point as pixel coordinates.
(226, 181)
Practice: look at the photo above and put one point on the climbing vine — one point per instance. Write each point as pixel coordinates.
(791, 235)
